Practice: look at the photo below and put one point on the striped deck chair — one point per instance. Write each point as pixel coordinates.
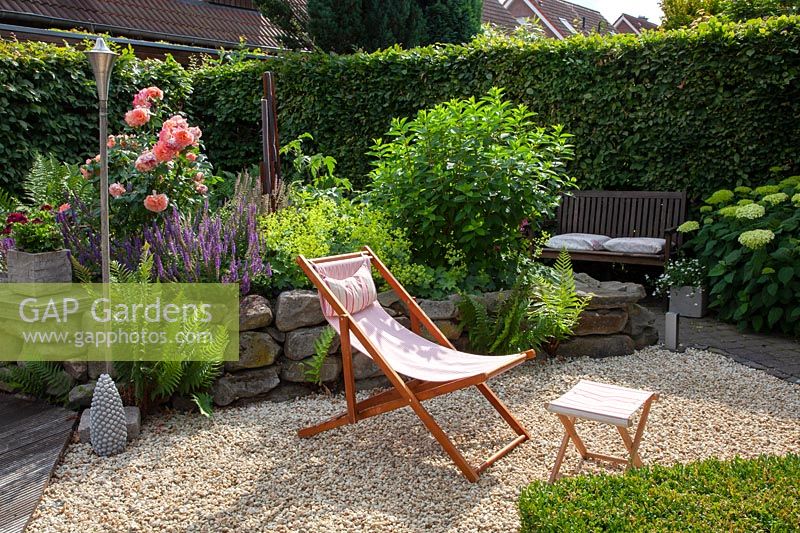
(349, 303)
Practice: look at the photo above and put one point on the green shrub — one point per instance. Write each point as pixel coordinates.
(695, 109)
(749, 242)
(466, 173)
(691, 110)
(739, 495)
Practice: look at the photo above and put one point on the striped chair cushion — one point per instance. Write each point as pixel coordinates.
(355, 292)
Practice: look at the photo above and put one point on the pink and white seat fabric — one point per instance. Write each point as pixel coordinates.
(405, 351)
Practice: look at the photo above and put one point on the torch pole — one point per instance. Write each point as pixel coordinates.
(104, 228)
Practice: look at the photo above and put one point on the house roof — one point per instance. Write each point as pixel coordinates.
(199, 22)
(495, 13)
(637, 24)
(562, 19)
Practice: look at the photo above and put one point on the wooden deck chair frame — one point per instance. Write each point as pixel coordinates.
(405, 393)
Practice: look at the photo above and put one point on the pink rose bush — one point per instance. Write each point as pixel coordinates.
(155, 164)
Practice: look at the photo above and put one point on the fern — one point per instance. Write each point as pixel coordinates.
(557, 307)
(50, 182)
(168, 376)
(204, 402)
(313, 369)
(44, 379)
(8, 202)
(475, 318)
(192, 375)
(503, 333)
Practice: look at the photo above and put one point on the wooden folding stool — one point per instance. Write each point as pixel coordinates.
(604, 403)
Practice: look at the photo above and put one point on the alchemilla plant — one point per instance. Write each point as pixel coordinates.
(749, 240)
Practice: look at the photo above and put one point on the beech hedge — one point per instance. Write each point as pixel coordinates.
(697, 109)
(48, 100)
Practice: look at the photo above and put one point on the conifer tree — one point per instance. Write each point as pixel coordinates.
(344, 26)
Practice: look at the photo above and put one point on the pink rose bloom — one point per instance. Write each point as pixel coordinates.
(164, 152)
(156, 202)
(191, 156)
(199, 177)
(137, 117)
(146, 162)
(183, 138)
(88, 161)
(155, 93)
(141, 100)
(143, 97)
(112, 141)
(64, 207)
(85, 173)
(116, 190)
(97, 158)
(196, 133)
(176, 122)
(200, 188)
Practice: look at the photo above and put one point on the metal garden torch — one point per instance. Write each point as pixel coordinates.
(102, 60)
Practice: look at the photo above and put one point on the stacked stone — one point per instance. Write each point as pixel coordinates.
(275, 346)
(614, 323)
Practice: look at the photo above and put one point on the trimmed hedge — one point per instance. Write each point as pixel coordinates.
(49, 102)
(698, 109)
(740, 495)
(690, 109)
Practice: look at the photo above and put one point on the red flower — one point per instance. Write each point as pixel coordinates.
(47, 207)
(37, 220)
(16, 217)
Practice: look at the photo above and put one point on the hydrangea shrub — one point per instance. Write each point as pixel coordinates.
(749, 240)
(468, 173)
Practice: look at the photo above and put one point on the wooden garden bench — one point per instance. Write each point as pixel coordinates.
(618, 214)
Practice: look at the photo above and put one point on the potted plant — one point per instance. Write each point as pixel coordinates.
(683, 281)
(38, 254)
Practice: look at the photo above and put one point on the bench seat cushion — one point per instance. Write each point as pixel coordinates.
(637, 245)
(577, 241)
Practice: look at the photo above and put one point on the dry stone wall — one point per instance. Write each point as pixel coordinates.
(277, 338)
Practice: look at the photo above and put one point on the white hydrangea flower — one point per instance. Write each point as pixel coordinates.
(689, 225)
(776, 198)
(750, 211)
(757, 238)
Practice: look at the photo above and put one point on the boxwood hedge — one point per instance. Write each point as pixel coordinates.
(740, 495)
(697, 109)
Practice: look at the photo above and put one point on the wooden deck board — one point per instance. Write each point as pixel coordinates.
(33, 435)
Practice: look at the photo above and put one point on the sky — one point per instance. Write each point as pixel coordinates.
(612, 9)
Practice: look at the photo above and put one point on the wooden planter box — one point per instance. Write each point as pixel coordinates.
(687, 301)
(44, 267)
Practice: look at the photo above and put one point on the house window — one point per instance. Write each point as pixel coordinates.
(567, 25)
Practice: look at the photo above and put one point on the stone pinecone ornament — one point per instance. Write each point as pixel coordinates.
(107, 430)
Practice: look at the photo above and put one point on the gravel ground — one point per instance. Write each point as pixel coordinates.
(245, 470)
